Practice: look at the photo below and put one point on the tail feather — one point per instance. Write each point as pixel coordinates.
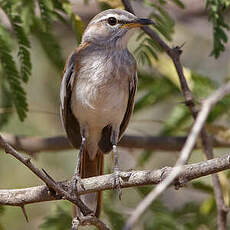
(91, 168)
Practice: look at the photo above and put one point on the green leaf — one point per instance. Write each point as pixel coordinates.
(23, 42)
(46, 12)
(5, 104)
(78, 27)
(178, 3)
(144, 157)
(116, 219)
(208, 206)
(152, 94)
(178, 119)
(201, 186)
(216, 10)
(60, 220)
(219, 109)
(1, 213)
(1, 210)
(77, 23)
(11, 75)
(49, 44)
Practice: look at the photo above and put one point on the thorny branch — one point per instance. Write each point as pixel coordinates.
(61, 191)
(24, 196)
(44, 177)
(174, 54)
(184, 155)
(65, 192)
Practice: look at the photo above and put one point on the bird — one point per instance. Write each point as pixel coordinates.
(97, 94)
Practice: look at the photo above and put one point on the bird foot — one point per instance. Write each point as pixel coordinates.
(76, 179)
(117, 182)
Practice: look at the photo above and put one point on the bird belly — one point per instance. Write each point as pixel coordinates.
(100, 106)
(96, 106)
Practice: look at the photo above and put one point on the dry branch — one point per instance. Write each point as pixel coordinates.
(19, 197)
(60, 191)
(54, 144)
(174, 54)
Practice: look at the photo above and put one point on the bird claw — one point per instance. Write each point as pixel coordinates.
(117, 182)
(75, 180)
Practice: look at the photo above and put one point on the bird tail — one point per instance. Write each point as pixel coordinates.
(91, 168)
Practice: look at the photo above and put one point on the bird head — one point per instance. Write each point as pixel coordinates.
(113, 28)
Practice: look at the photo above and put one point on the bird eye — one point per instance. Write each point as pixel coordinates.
(112, 21)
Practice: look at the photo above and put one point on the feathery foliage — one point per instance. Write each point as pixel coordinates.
(5, 103)
(150, 85)
(24, 22)
(153, 89)
(216, 10)
(116, 218)
(23, 42)
(13, 78)
(164, 24)
(60, 220)
(177, 218)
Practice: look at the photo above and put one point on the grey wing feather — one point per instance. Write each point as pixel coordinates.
(69, 121)
(105, 143)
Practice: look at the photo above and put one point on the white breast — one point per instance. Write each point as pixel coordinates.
(100, 96)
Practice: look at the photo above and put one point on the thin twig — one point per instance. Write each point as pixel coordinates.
(20, 197)
(48, 181)
(184, 156)
(175, 53)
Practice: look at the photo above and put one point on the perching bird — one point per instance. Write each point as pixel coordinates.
(97, 93)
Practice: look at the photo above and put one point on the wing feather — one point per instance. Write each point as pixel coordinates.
(69, 121)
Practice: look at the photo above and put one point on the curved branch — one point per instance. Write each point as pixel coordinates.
(19, 197)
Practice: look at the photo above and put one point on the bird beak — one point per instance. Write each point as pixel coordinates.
(139, 22)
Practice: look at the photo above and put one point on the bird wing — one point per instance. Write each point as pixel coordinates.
(105, 143)
(130, 105)
(69, 121)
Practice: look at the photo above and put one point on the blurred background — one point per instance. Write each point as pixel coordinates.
(159, 109)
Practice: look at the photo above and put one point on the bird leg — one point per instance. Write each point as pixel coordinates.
(116, 169)
(77, 178)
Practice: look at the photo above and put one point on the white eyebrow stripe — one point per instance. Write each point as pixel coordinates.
(117, 16)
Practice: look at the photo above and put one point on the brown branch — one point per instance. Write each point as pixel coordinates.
(58, 143)
(33, 145)
(184, 155)
(44, 177)
(19, 197)
(174, 54)
(206, 140)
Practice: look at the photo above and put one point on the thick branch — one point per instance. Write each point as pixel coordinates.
(45, 177)
(59, 143)
(19, 197)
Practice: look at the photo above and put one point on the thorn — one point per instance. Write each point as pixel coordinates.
(43, 170)
(27, 160)
(7, 151)
(24, 213)
(182, 45)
